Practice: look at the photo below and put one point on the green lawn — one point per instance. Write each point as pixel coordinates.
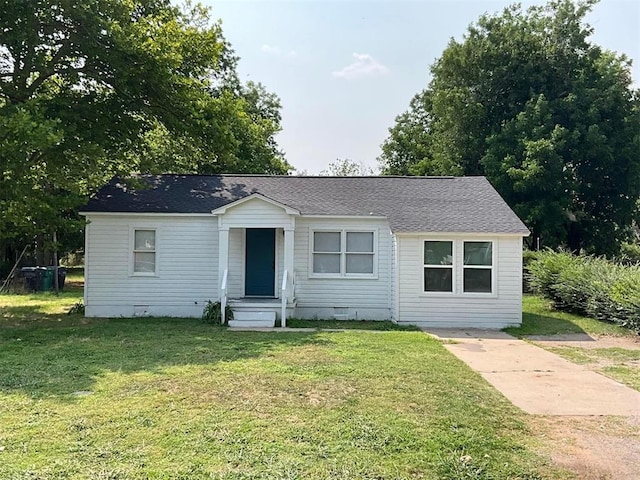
(174, 398)
(620, 364)
(538, 318)
(350, 324)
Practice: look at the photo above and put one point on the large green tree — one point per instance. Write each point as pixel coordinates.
(549, 117)
(237, 136)
(101, 87)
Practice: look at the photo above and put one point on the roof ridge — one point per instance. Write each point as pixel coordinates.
(264, 175)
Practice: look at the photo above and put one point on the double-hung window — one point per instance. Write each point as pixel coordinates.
(438, 266)
(478, 267)
(343, 253)
(359, 253)
(327, 252)
(144, 252)
(445, 260)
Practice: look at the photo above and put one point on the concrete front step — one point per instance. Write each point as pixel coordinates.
(253, 319)
(245, 308)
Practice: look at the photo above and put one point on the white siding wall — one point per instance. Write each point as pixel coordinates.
(187, 266)
(501, 309)
(394, 278)
(236, 263)
(352, 297)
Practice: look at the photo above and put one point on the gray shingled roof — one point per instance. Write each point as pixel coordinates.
(412, 204)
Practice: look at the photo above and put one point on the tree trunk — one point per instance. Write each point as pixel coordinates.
(43, 254)
(39, 249)
(574, 238)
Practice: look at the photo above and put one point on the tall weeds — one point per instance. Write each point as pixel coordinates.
(591, 286)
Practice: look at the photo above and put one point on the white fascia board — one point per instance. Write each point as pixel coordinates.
(460, 234)
(222, 210)
(142, 214)
(348, 217)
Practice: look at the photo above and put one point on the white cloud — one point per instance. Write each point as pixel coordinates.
(277, 51)
(270, 49)
(364, 66)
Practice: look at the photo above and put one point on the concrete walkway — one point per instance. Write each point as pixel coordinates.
(538, 381)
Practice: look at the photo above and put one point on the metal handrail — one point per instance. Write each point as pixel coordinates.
(293, 286)
(285, 284)
(223, 296)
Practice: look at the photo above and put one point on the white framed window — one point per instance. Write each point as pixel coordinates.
(478, 267)
(359, 253)
(438, 266)
(458, 266)
(327, 253)
(144, 259)
(343, 253)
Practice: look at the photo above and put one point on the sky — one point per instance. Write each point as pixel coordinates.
(345, 69)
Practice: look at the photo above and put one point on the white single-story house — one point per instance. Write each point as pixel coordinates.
(428, 251)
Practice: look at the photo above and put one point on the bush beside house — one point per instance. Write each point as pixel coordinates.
(587, 285)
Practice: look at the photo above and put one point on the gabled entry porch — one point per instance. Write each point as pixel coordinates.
(256, 257)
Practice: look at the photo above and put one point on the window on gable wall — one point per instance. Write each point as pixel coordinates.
(440, 266)
(343, 253)
(144, 252)
(478, 267)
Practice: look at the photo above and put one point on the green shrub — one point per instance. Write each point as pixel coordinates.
(212, 313)
(527, 257)
(544, 271)
(588, 285)
(629, 253)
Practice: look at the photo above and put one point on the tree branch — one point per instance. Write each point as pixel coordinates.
(51, 71)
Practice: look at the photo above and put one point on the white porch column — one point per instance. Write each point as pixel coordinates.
(288, 251)
(223, 255)
(288, 268)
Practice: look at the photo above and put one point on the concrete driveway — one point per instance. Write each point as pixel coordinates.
(538, 381)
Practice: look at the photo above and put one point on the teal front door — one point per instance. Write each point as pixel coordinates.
(260, 262)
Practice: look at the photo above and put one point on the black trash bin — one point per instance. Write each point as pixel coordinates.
(62, 276)
(31, 276)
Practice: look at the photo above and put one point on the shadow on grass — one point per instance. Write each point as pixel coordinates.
(37, 309)
(60, 359)
(538, 324)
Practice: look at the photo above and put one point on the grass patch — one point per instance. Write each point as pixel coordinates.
(629, 375)
(538, 318)
(620, 364)
(175, 398)
(38, 308)
(595, 355)
(75, 275)
(350, 324)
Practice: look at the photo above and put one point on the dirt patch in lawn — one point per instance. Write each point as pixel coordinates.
(593, 448)
(583, 340)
